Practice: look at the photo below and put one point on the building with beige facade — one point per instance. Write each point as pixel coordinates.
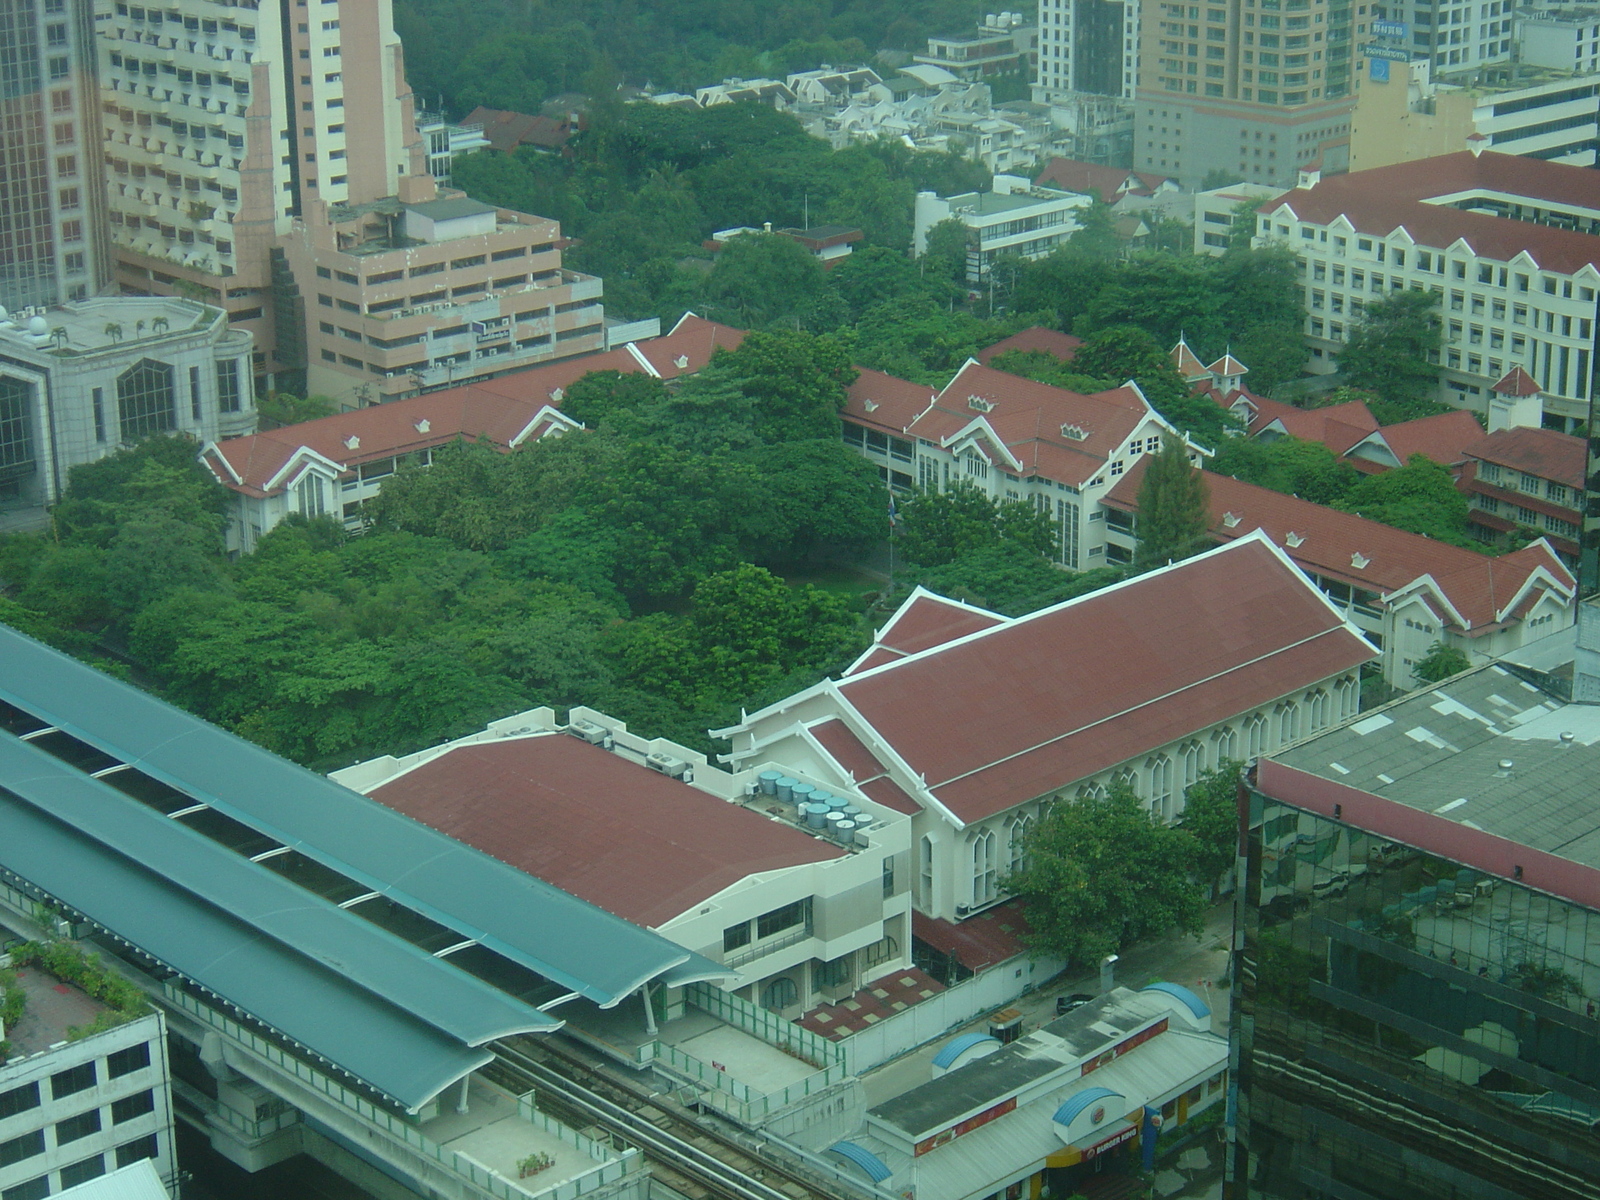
(266, 158)
(1412, 113)
(1255, 89)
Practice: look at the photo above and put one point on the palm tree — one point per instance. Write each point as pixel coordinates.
(113, 331)
(138, 328)
(160, 325)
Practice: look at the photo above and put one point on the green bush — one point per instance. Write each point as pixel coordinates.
(67, 963)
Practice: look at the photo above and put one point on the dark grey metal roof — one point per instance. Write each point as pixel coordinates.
(310, 1002)
(568, 941)
(1440, 750)
(445, 210)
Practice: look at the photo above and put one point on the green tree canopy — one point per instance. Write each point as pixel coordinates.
(1441, 662)
(1174, 508)
(1299, 468)
(1419, 497)
(1211, 815)
(939, 527)
(1388, 350)
(1100, 873)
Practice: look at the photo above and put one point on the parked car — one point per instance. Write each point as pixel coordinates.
(1065, 1004)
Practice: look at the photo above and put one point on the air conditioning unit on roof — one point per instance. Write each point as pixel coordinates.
(676, 768)
(595, 735)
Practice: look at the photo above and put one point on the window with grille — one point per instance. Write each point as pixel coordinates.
(145, 397)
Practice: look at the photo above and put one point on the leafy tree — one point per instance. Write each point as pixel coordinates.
(1290, 465)
(1124, 352)
(1388, 350)
(1065, 283)
(1174, 508)
(601, 395)
(796, 382)
(1419, 497)
(945, 255)
(1100, 873)
(1096, 235)
(1010, 579)
(939, 527)
(277, 409)
(1440, 663)
(1211, 815)
(763, 279)
(1166, 295)
(829, 499)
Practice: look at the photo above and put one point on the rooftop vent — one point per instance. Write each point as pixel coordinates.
(1505, 767)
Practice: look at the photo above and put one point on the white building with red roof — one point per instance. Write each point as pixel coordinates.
(1403, 591)
(974, 724)
(1010, 437)
(723, 863)
(1528, 479)
(332, 466)
(1510, 244)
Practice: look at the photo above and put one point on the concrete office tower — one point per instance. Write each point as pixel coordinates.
(255, 151)
(1088, 46)
(1255, 89)
(53, 244)
(225, 124)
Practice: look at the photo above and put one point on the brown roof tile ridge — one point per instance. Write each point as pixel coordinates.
(1342, 626)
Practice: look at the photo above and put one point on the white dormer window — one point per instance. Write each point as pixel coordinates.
(1231, 520)
(1293, 539)
(681, 361)
(352, 442)
(1076, 433)
(979, 404)
(1359, 560)
(422, 426)
(870, 405)
(557, 394)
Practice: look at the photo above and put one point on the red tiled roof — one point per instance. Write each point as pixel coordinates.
(1338, 427)
(992, 721)
(870, 776)
(607, 830)
(1228, 365)
(1381, 200)
(926, 620)
(1517, 382)
(505, 130)
(497, 409)
(1542, 452)
(1034, 338)
(893, 993)
(1187, 362)
(1028, 417)
(1107, 183)
(1330, 540)
(1442, 437)
(979, 942)
(885, 401)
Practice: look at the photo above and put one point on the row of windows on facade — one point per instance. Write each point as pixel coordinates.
(1486, 274)
(76, 1079)
(1155, 783)
(146, 398)
(441, 296)
(126, 1154)
(525, 345)
(78, 1126)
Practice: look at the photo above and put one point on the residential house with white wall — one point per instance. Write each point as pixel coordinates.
(1404, 592)
(1013, 439)
(728, 864)
(1014, 217)
(332, 466)
(976, 723)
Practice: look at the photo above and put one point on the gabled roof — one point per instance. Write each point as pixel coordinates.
(1027, 707)
(848, 751)
(1227, 366)
(1545, 453)
(1338, 427)
(1027, 419)
(1517, 382)
(1108, 184)
(922, 621)
(506, 411)
(1363, 553)
(1442, 437)
(884, 401)
(1415, 195)
(1034, 338)
(629, 840)
(505, 130)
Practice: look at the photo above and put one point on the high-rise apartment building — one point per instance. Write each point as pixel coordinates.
(1088, 46)
(1255, 89)
(254, 148)
(53, 245)
(1459, 37)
